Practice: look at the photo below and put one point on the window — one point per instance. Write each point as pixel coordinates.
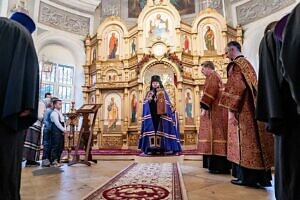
(58, 80)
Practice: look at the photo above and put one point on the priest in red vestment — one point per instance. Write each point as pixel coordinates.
(213, 131)
(250, 148)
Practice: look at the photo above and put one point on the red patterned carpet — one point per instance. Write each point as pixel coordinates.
(143, 181)
(129, 152)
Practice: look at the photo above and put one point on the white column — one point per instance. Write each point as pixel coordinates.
(4, 8)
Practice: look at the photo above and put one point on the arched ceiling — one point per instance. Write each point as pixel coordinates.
(86, 15)
(235, 11)
(88, 6)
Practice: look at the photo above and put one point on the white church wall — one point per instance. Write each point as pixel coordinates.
(253, 32)
(7, 7)
(56, 43)
(3, 8)
(53, 53)
(62, 49)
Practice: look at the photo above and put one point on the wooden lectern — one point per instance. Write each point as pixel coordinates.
(86, 132)
(72, 122)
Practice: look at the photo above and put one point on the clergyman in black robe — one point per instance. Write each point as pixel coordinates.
(277, 101)
(19, 87)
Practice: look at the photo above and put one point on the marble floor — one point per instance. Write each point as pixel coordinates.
(77, 181)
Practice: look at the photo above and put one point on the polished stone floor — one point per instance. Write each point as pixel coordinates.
(72, 183)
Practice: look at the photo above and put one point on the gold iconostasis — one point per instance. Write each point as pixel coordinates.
(121, 61)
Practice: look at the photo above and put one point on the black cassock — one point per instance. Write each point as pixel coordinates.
(19, 86)
(278, 90)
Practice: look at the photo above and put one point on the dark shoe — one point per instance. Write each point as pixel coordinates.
(94, 161)
(265, 184)
(226, 172)
(219, 171)
(30, 163)
(214, 171)
(241, 183)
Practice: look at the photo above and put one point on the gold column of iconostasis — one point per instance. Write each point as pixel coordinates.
(121, 61)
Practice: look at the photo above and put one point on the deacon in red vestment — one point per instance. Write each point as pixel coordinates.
(250, 148)
(213, 131)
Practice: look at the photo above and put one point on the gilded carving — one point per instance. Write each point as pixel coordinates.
(190, 138)
(130, 57)
(112, 141)
(133, 139)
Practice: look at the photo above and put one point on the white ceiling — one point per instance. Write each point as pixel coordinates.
(80, 5)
